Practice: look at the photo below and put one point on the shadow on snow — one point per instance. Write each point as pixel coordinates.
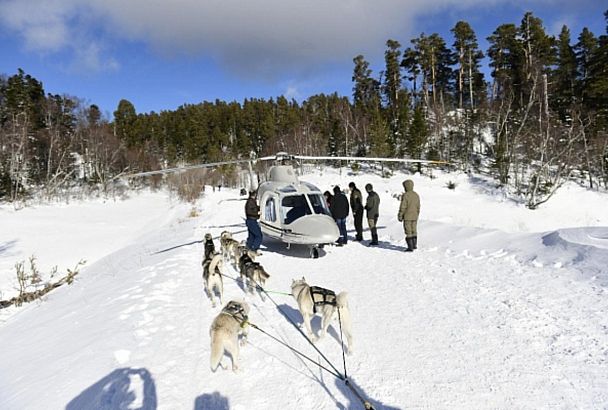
(213, 401)
(121, 389)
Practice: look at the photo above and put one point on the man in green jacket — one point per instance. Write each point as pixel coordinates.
(372, 205)
(408, 214)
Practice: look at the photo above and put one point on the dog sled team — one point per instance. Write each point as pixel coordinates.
(228, 331)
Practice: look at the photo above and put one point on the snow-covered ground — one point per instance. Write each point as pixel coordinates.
(501, 307)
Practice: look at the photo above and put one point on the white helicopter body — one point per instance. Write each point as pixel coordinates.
(293, 211)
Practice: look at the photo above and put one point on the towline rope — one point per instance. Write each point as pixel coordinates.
(257, 287)
(366, 404)
(336, 373)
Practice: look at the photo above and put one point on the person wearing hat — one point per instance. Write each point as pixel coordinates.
(339, 211)
(372, 204)
(409, 209)
(356, 205)
(252, 213)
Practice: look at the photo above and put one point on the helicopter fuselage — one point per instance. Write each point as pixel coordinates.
(293, 211)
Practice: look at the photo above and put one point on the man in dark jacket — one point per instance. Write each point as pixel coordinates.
(339, 211)
(252, 212)
(409, 209)
(372, 204)
(356, 204)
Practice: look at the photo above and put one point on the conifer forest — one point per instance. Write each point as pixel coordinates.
(538, 119)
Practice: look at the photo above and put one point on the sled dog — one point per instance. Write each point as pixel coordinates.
(312, 300)
(225, 330)
(209, 246)
(237, 252)
(252, 273)
(230, 249)
(212, 278)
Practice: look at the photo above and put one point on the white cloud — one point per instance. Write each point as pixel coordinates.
(252, 37)
(91, 58)
(292, 93)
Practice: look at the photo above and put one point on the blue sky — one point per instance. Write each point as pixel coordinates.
(161, 54)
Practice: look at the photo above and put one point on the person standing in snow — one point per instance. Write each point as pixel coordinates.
(339, 211)
(356, 204)
(372, 205)
(408, 214)
(328, 197)
(252, 213)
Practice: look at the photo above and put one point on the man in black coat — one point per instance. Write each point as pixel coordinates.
(356, 204)
(339, 211)
(252, 212)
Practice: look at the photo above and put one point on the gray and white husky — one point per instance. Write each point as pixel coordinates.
(252, 273)
(312, 300)
(212, 277)
(231, 248)
(225, 330)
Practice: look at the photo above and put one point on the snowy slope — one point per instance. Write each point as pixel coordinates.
(501, 307)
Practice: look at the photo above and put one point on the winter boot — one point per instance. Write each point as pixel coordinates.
(415, 242)
(410, 244)
(374, 241)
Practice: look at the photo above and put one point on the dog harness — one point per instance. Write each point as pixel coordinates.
(236, 311)
(248, 265)
(321, 296)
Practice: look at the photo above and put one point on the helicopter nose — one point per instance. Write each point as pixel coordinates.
(318, 228)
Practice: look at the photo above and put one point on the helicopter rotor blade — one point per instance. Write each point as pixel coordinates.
(371, 159)
(185, 168)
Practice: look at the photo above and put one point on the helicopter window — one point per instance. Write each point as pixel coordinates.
(310, 186)
(318, 204)
(270, 210)
(294, 207)
(288, 188)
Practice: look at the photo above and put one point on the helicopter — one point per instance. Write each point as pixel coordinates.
(291, 211)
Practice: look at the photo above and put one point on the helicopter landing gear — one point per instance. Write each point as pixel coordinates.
(314, 252)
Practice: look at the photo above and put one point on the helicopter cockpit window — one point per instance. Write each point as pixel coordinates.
(318, 204)
(270, 212)
(310, 186)
(294, 207)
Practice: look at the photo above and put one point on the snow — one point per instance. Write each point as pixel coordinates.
(501, 307)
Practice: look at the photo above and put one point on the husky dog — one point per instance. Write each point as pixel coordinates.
(225, 331)
(229, 247)
(237, 252)
(225, 236)
(209, 246)
(212, 277)
(252, 273)
(313, 299)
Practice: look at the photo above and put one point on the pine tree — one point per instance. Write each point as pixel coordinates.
(392, 75)
(506, 60)
(434, 60)
(468, 57)
(125, 118)
(539, 54)
(564, 77)
(584, 49)
(411, 63)
(392, 92)
(596, 85)
(418, 133)
(24, 96)
(365, 88)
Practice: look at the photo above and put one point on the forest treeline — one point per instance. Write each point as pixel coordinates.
(539, 119)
